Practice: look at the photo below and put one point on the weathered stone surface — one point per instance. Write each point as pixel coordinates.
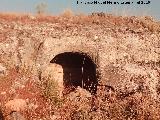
(1, 115)
(16, 116)
(16, 105)
(132, 78)
(2, 69)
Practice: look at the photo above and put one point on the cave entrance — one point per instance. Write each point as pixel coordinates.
(78, 70)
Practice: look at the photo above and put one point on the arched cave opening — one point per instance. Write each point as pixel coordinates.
(78, 70)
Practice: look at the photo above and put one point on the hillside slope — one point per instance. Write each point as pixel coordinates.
(126, 51)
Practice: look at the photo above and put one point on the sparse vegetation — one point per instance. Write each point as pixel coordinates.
(50, 91)
(67, 13)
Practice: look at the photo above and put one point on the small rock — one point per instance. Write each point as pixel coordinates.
(12, 91)
(83, 92)
(3, 93)
(1, 115)
(18, 85)
(54, 117)
(31, 17)
(2, 69)
(7, 45)
(16, 105)
(16, 116)
(32, 106)
(80, 92)
(95, 37)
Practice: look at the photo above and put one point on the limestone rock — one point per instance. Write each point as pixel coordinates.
(16, 116)
(2, 69)
(16, 105)
(79, 92)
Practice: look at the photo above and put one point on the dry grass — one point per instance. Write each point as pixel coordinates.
(51, 92)
(67, 14)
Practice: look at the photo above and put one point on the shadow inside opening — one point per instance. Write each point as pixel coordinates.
(78, 70)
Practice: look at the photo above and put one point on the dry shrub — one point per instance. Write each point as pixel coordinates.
(51, 91)
(147, 22)
(67, 13)
(79, 115)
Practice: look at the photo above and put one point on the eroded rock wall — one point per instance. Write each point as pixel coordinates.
(112, 42)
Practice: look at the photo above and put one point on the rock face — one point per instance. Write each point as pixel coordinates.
(132, 78)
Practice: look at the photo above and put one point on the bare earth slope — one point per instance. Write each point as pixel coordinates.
(128, 53)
